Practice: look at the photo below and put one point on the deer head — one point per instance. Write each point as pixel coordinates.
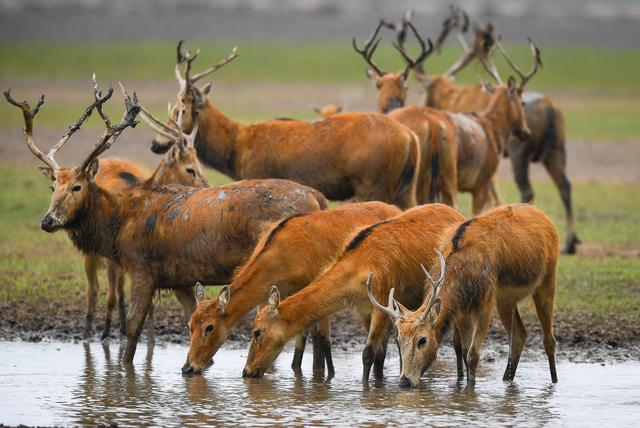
(191, 99)
(71, 186)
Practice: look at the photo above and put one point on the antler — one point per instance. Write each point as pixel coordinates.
(468, 54)
(224, 61)
(370, 47)
(486, 59)
(391, 309)
(112, 132)
(537, 62)
(424, 51)
(29, 115)
(150, 119)
(188, 58)
(437, 286)
(458, 19)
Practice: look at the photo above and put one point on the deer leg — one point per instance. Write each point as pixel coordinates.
(512, 323)
(555, 166)
(473, 355)
(150, 323)
(457, 346)
(543, 299)
(187, 298)
(122, 313)
(112, 275)
(301, 341)
(377, 342)
(91, 264)
(318, 354)
(496, 200)
(520, 161)
(324, 335)
(142, 289)
(480, 196)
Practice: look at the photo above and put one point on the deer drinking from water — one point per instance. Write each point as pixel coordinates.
(495, 259)
(164, 237)
(366, 156)
(392, 251)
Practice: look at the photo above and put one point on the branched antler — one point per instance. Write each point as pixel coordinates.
(537, 62)
(186, 57)
(392, 308)
(424, 51)
(437, 286)
(369, 48)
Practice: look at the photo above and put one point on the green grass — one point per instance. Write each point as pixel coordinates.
(566, 68)
(37, 265)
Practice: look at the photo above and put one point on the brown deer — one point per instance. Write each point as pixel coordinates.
(328, 110)
(116, 176)
(547, 141)
(498, 258)
(392, 250)
(164, 237)
(290, 255)
(366, 156)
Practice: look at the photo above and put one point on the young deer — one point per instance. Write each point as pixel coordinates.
(117, 176)
(368, 156)
(496, 259)
(547, 141)
(290, 255)
(167, 236)
(391, 251)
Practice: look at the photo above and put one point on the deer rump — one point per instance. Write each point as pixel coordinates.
(346, 155)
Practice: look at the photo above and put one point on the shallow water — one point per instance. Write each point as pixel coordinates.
(76, 384)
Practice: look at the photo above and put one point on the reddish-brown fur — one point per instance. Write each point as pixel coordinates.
(366, 156)
(392, 251)
(289, 255)
(328, 110)
(496, 259)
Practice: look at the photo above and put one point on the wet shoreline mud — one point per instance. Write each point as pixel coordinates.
(578, 339)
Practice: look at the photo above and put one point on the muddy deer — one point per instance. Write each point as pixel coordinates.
(290, 255)
(361, 155)
(391, 251)
(116, 176)
(164, 237)
(547, 141)
(495, 259)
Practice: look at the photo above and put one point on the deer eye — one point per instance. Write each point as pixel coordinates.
(208, 329)
(76, 188)
(422, 341)
(256, 334)
(191, 171)
(52, 188)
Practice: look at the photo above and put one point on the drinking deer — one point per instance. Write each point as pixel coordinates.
(547, 140)
(291, 255)
(164, 237)
(116, 176)
(390, 252)
(368, 156)
(497, 258)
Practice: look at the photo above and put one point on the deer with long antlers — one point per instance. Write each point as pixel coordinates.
(164, 237)
(392, 250)
(547, 140)
(366, 156)
(290, 255)
(496, 259)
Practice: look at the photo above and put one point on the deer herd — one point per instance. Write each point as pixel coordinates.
(396, 252)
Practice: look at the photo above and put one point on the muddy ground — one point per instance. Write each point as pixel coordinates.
(578, 339)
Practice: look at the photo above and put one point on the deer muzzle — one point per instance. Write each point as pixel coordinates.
(51, 223)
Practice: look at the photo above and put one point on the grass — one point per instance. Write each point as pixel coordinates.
(36, 265)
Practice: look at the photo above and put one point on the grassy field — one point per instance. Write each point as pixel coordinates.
(600, 102)
(35, 265)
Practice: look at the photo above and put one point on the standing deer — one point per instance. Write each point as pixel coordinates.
(547, 141)
(116, 176)
(392, 250)
(496, 259)
(366, 156)
(164, 237)
(290, 255)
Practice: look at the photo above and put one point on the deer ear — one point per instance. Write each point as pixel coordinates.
(92, 169)
(47, 172)
(274, 299)
(200, 96)
(207, 88)
(223, 297)
(173, 155)
(199, 292)
(512, 85)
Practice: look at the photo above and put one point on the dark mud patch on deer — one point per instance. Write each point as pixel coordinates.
(579, 339)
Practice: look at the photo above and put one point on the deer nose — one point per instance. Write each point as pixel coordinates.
(393, 104)
(187, 369)
(404, 382)
(48, 223)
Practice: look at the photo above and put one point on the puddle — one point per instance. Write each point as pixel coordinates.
(77, 384)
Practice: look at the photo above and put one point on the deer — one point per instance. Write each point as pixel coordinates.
(547, 140)
(496, 259)
(390, 251)
(328, 110)
(166, 237)
(291, 255)
(180, 166)
(361, 155)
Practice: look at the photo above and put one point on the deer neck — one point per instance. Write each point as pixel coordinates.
(438, 90)
(216, 142)
(250, 288)
(496, 115)
(95, 228)
(157, 178)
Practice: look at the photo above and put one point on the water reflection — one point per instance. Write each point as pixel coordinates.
(87, 385)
